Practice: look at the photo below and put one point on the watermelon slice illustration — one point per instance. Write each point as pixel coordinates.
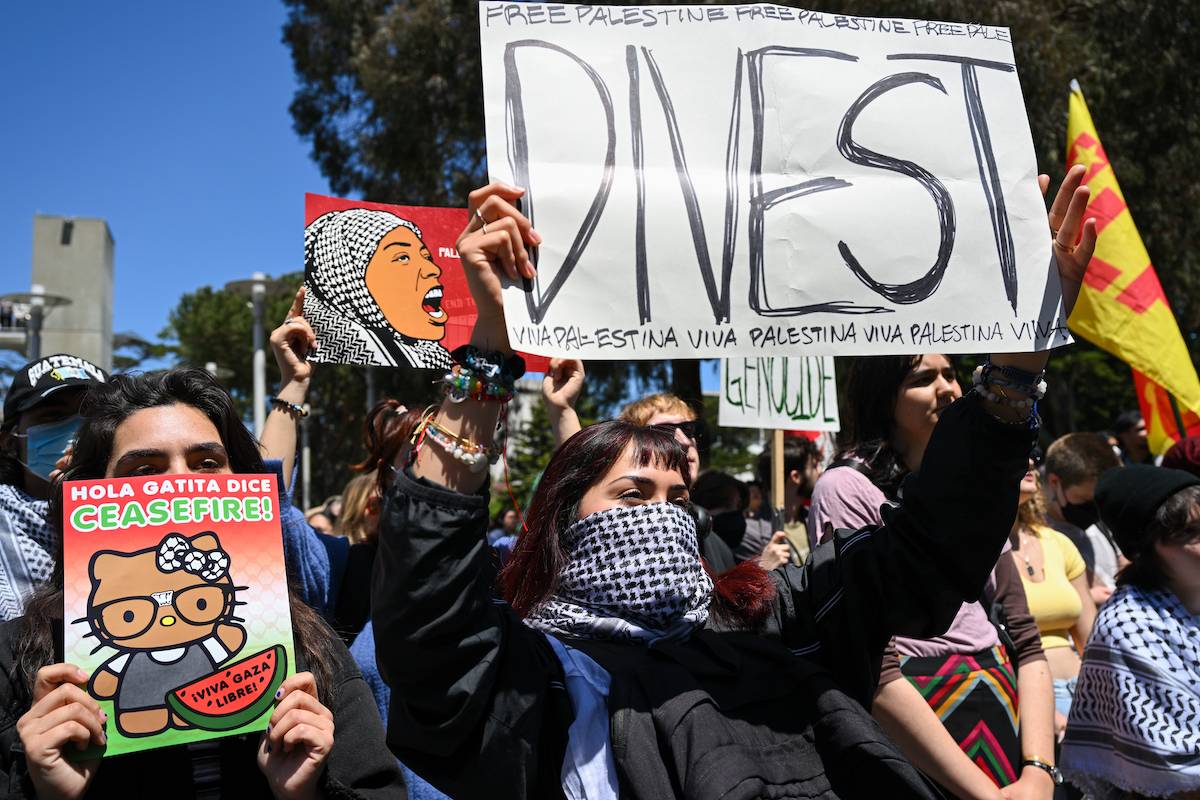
(234, 695)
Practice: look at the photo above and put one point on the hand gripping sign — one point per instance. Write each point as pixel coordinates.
(716, 181)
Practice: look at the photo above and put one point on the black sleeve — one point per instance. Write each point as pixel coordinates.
(478, 704)
(352, 608)
(360, 764)
(1010, 593)
(933, 552)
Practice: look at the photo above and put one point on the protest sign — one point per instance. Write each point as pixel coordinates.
(177, 604)
(715, 181)
(384, 285)
(797, 393)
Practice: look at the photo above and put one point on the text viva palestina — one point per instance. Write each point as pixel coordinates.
(894, 184)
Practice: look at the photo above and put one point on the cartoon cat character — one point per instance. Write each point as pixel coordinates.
(168, 611)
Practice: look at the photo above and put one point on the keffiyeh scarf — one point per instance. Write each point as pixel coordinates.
(352, 328)
(26, 547)
(1135, 720)
(632, 574)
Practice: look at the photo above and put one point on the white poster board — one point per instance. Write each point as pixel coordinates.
(715, 181)
(797, 393)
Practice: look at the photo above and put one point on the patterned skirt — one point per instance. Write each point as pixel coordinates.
(975, 696)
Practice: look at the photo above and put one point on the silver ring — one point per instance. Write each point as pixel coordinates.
(482, 221)
(289, 321)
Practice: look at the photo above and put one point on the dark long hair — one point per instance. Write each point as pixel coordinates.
(868, 417)
(530, 575)
(104, 408)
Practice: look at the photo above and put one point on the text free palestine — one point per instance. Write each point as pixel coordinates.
(160, 511)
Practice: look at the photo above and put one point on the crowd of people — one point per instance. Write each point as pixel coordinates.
(932, 608)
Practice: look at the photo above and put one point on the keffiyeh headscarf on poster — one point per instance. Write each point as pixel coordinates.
(1135, 719)
(632, 573)
(338, 247)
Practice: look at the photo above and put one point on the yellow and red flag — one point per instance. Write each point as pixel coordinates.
(1122, 307)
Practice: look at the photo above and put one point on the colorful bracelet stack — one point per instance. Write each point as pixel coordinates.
(294, 409)
(1031, 387)
(476, 456)
(482, 376)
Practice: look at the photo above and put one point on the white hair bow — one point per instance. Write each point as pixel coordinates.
(176, 552)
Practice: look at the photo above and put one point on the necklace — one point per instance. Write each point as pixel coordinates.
(1024, 553)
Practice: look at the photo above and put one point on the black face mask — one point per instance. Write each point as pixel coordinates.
(1081, 515)
(730, 526)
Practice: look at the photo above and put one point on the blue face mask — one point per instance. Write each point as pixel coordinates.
(45, 444)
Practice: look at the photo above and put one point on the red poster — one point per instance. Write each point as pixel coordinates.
(384, 283)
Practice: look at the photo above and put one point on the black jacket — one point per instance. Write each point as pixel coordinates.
(359, 766)
(478, 705)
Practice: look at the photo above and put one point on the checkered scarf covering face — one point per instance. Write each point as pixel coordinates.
(632, 574)
(338, 246)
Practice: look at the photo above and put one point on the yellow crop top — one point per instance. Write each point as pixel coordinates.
(1053, 602)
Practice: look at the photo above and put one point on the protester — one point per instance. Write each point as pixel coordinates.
(801, 469)
(181, 422)
(557, 692)
(41, 417)
(1056, 588)
(757, 506)
(723, 497)
(1073, 464)
(972, 688)
(324, 517)
(1130, 430)
(359, 521)
(1133, 731)
(504, 525)
(1184, 455)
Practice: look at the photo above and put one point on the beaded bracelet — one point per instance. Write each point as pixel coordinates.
(293, 408)
(492, 366)
(1031, 420)
(476, 456)
(462, 382)
(1027, 383)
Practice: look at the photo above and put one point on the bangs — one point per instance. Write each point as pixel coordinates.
(660, 448)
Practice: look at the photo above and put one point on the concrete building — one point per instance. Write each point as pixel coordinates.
(73, 257)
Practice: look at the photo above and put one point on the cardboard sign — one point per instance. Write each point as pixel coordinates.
(177, 604)
(790, 394)
(714, 181)
(384, 284)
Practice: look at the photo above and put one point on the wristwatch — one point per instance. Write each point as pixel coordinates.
(1050, 769)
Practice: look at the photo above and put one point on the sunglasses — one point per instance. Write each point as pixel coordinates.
(693, 429)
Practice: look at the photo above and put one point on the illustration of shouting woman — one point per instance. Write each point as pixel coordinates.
(374, 293)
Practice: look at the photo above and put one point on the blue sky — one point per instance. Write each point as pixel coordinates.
(170, 120)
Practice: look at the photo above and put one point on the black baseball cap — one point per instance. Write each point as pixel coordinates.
(38, 380)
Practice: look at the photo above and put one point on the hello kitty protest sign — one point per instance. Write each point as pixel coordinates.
(177, 604)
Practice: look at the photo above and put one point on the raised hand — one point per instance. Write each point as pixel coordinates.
(563, 383)
(291, 343)
(298, 740)
(62, 715)
(494, 244)
(1074, 238)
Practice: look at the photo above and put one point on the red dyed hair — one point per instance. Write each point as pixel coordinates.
(387, 431)
(744, 595)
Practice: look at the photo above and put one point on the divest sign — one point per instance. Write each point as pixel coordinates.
(715, 181)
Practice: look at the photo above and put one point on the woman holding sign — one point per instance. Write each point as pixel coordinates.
(614, 668)
(179, 423)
